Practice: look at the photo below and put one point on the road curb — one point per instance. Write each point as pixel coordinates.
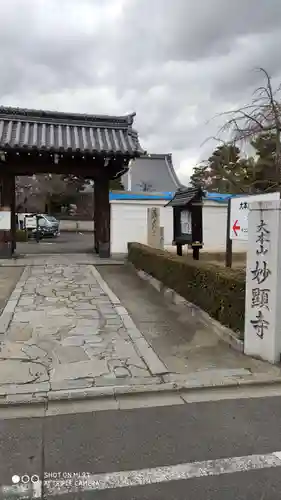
(103, 393)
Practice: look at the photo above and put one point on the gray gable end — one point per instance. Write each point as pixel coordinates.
(154, 173)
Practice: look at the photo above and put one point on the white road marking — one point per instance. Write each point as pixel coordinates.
(123, 479)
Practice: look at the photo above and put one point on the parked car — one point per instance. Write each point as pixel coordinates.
(47, 224)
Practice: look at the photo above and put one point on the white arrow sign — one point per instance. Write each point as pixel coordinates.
(239, 210)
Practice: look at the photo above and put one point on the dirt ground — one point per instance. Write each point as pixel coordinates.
(9, 277)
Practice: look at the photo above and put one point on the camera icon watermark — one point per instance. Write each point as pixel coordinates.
(25, 479)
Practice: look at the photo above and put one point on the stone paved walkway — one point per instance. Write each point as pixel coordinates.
(64, 329)
(64, 334)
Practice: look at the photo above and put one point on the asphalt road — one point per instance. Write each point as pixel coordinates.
(67, 242)
(113, 441)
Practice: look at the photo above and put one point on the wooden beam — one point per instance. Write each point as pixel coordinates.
(88, 167)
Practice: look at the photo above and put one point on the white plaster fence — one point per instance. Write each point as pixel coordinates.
(79, 226)
(129, 223)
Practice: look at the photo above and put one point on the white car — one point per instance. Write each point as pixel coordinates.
(48, 225)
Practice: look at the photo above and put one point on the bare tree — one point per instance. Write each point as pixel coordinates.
(261, 116)
(49, 187)
(26, 188)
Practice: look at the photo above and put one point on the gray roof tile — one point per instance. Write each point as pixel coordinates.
(25, 129)
(183, 197)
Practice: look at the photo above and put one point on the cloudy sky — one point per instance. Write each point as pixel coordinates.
(176, 63)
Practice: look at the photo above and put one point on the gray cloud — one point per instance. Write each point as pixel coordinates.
(175, 63)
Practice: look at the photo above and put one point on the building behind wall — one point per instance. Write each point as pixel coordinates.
(151, 173)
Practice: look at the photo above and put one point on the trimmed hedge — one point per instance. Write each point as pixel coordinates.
(217, 290)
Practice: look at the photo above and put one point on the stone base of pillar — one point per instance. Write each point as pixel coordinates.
(6, 249)
(104, 250)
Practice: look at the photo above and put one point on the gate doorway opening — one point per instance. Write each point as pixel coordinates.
(96, 147)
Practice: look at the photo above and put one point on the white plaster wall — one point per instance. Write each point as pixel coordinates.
(73, 225)
(129, 222)
(214, 228)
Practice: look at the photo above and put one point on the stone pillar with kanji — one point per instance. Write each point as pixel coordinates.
(262, 338)
(153, 227)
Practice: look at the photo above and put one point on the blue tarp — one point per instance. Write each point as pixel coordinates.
(127, 195)
(167, 196)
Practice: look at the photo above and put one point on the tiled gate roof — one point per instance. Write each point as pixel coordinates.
(25, 129)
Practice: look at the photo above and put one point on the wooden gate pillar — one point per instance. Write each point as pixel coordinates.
(8, 201)
(103, 218)
(96, 216)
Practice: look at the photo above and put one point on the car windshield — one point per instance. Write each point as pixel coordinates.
(51, 218)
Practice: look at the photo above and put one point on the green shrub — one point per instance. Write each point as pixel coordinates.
(217, 290)
(21, 235)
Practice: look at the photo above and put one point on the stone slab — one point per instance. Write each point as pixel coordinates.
(11, 305)
(70, 354)
(5, 320)
(17, 372)
(59, 385)
(207, 375)
(12, 350)
(20, 332)
(39, 387)
(104, 286)
(82, 369)
(133, 381)
(155, 365)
